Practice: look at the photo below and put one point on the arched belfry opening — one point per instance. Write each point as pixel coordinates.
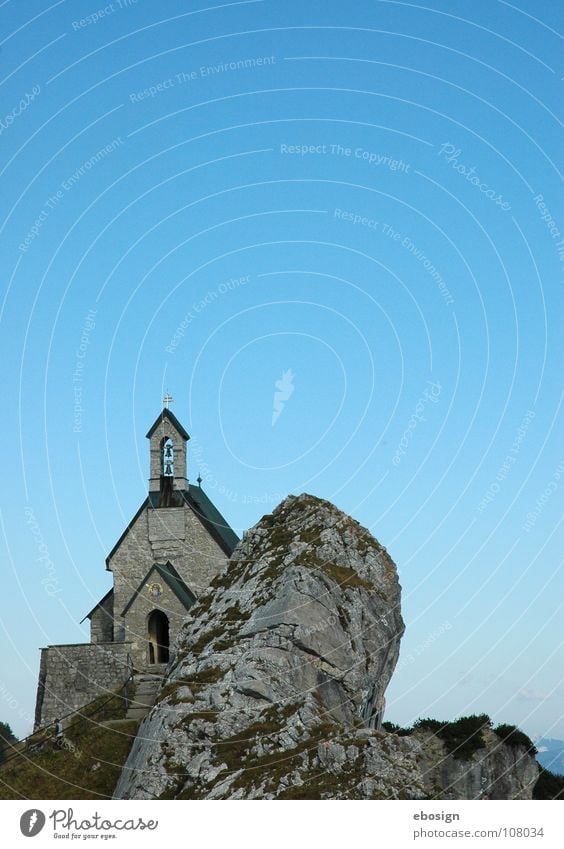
(168, 457)
(167, 471)
(158, 635)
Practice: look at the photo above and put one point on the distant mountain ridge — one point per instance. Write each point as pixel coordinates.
(550, 754)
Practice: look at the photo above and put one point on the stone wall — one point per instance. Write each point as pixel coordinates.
(70, 676)
(136, 620)
(129, 564)
(167, 533)
(158, 535)
(201, 558)
(102, 621)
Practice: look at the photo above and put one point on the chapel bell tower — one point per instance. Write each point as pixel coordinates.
(168, 442)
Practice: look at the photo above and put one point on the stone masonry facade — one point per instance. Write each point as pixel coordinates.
(73, 675)
(136, 620)
(166, 557)
(102, 621)
(159, 535)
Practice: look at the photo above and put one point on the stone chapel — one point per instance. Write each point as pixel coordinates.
(166, 556)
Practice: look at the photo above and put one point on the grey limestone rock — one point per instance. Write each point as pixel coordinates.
(277, 686)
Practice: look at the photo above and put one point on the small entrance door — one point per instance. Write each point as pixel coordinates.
(157, 626)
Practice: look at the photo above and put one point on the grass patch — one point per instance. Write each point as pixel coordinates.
(281, 537)
(90, 771)
(342, 575)
(226, 579)
(208, 715)
(209, 675)
(179, 776)
(235, 614)
(206, 638)
(217, 634)
(169, 691)
(276, 765)
(237, 751)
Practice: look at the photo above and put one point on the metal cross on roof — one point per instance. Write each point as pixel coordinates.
(168, 400)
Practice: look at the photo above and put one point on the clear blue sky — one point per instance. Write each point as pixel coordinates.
(362, 196)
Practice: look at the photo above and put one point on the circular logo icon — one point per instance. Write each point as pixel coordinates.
(32, 822)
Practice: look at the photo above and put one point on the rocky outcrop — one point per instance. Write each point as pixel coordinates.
(277, 687)
(495, 771)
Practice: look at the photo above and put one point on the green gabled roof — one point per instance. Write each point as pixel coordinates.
(171, 577)
(212, 519)
(168, 414)
(208, 514)
(102, 600)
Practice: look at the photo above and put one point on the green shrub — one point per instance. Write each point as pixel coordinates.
(512, 736)
(432, 725)
(462, 737)
(392, 728)
(549, 785)
(7, 737)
